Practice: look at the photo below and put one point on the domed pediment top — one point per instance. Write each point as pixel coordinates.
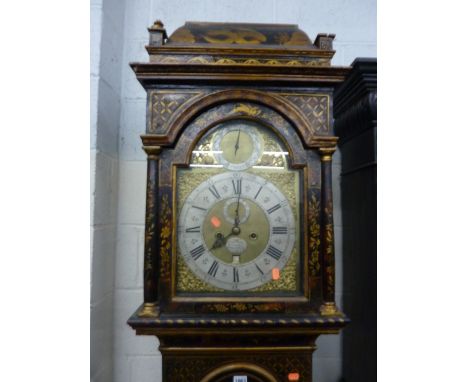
(211, 44)
(240, 34)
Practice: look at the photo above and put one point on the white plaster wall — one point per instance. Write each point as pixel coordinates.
(105, 81)
(135, 359)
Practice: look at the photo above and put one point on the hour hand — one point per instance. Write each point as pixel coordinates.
(219, 242)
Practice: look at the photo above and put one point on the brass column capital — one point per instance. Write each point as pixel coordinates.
(326, 153)
(152, 151)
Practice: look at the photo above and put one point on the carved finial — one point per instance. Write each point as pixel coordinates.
(158, 24)
(157, 33)
(324, 41)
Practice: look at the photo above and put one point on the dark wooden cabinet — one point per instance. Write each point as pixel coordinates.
(239, 266)
(356, 126)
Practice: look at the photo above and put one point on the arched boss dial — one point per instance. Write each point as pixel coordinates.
(236, 230)
(237, 146)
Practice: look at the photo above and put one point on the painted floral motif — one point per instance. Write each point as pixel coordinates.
(241, 307)
(150, 228)
(314, 236)
(165, 236)
(329, 252)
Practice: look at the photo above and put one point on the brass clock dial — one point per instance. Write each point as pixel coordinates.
(238, 209)
(236, 231)
(237, 146)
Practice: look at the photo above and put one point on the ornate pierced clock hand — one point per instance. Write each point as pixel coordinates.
(236, 229)
(219, 242)
(236, 146)
(220, 238)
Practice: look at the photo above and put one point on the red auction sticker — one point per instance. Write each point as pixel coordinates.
(275, 273)
(216, 222)
(293, 377)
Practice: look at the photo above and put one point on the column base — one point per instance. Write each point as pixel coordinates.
(149, 309)
(330, 309)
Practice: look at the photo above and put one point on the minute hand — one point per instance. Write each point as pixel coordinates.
(236, 219)
(236, 146)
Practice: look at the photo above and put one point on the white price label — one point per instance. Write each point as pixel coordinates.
(239, 378)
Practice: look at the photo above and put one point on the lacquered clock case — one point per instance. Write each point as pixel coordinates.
(209, 76)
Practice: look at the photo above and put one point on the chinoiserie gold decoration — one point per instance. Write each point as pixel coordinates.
(164, 104)
(241, 110)
(149, 309)
(184, 35)
(282, 38)
(315, 107)
(329, 249)
(225, 61)
(314, 236)
(244, 307)
(246, 109)
(209, 60)
(150, 227)
(237, 36)
(297, 38)
(198, 60)
(165, 236)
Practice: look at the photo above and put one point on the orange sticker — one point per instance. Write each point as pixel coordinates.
(275, 273)
(293, 377)
(215, 221)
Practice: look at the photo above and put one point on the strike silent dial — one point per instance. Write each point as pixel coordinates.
(237, 147)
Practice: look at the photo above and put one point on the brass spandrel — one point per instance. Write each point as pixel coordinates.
(287, 281)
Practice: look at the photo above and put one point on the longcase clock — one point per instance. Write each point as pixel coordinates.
(239, 276)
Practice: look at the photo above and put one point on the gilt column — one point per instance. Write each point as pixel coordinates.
(151, 258)
(327, 236)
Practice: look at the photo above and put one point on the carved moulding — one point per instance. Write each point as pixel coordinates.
(289, 112)
(243, 61)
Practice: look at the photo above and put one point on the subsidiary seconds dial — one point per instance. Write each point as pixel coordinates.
(236, 231)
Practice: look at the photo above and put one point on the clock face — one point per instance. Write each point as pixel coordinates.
(236, 230)
(237, 146)
(238, 213)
